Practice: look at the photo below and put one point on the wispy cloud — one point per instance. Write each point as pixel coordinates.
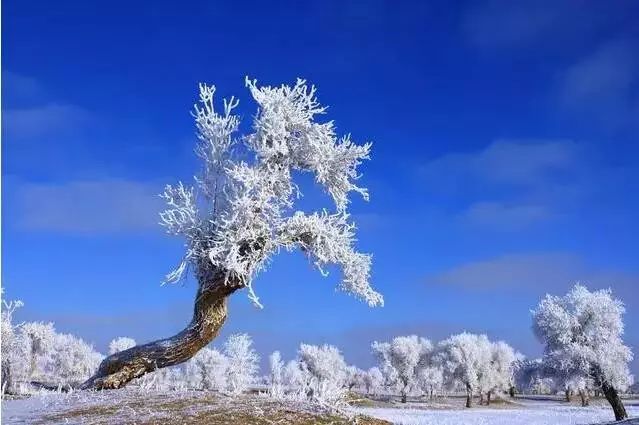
(546, 25)
(89, 207)
(20, 89)
(42, 121)
(604, 85)
(503, 215)
(509, 184)
(507, 24)
(538, 272)
(508, 162)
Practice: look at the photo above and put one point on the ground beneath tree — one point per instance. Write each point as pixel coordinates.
(134, 406)
(142, 407)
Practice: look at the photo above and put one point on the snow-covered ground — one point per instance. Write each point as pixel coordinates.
(529, 413)
(144, 407)
(135, 406)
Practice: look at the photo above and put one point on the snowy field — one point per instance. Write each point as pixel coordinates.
(133, 406)
(527, 413)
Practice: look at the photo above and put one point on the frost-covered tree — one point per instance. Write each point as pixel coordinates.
(533, 376)
(401, 357)
(166, 379)
(296, 379)
(354, 377)
(120, 344)
(568, 372)
(527, 374)
(465, 358)
(39, 338)
(500, 369)
(207, 370)
(327, 370)
(276, 377)
(582, 332)
(9, 343)
(242, 366)
(241, 212)
(72, 360)
(430, 379)
(373, 380)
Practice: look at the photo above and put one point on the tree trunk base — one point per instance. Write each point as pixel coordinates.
(615, 401)
(208, 317)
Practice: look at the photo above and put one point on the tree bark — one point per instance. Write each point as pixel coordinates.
(481, 398)
(7, 381)
(615, 401)
(209, 315)
(404, 392)
(488, 398)
(511, 391)
(469, 396)
(568, 395)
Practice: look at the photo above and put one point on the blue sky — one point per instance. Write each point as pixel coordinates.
(504, 160)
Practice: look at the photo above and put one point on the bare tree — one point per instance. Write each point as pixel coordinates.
(241, 212)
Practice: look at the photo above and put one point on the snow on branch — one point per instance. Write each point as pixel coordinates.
(329, 239)
(242, 211)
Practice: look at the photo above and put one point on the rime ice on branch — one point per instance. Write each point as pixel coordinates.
(240, 213)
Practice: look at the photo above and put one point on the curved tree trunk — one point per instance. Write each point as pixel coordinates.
(615, 401)
(469, 396)
(567, 395)
(208, 317)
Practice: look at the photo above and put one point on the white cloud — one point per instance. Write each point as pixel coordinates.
(41, 121)
(507, 24)
(509, 162)
(543, 25)
(604, 85)
(18, 88)
(511, 184)
(505, 216)
(89, 207)
(552, 272)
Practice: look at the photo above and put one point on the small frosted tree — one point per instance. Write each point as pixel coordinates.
(500, 369)
(207, 370)
(241, 212)
(354, 377)
(465, 358)
(373, 380)
(10, 344)
(242, 363)
(327, 370)
(430, 379)
(276, 378)
(401, 358)
(296, 379)
(569, 373)
(72, 360)
(120, 344)
(583, 331)
(39, 338)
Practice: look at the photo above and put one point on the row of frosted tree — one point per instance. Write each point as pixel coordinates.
(581, 332)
